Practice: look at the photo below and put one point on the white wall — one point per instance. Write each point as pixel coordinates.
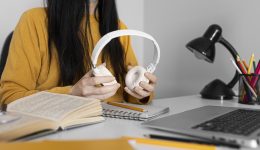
(11, 10)
(131, 12)
(175, 22)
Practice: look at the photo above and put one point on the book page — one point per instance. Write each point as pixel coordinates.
(49, 105)
(23, 126)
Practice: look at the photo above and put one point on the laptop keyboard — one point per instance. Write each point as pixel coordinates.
(240, 122)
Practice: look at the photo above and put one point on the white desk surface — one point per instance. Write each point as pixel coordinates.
(116, 128)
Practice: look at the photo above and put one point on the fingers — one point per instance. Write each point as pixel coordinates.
(147, 87)
(132, 93)
(151, 77)
(85, 77)
(87, 87)
(98, 80)
(138, 92)
(105, 89)
(141, 92)
(103, 97)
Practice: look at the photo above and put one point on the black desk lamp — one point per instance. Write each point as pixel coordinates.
(204, 48)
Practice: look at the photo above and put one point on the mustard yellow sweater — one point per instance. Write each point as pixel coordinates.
(28, 69)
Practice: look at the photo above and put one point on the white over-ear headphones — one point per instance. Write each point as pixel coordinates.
(136, 74)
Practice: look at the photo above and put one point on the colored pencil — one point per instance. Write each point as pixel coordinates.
(246, 66)
(126, 106)
(251, 63)
(240, 66)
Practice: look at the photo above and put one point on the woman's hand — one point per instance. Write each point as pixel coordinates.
(89, 86)
(145, 89)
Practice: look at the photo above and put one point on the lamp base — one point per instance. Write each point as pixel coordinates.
(217, 90)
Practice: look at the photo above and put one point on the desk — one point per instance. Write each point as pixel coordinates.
(115, 128)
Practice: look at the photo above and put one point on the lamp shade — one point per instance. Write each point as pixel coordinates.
(204, 47)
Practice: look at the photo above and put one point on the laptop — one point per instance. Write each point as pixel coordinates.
(225, 124)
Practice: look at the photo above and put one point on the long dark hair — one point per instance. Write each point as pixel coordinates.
(69, 37)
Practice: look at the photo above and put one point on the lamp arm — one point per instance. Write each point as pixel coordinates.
(234, 54)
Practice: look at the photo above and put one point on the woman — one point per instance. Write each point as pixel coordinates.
(51, 48)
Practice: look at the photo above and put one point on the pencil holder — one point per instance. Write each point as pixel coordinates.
(249, 89)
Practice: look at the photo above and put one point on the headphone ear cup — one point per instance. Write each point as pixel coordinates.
(135, 76)
(100, 71)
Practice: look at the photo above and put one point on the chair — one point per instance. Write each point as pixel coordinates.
(5, 52)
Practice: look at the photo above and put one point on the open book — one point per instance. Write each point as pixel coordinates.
(48, 112)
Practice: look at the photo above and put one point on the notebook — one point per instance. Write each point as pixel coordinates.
(151, 112)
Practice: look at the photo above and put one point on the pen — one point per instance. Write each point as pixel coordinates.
(197, 141)
(126, 106)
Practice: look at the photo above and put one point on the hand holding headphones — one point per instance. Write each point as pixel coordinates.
(144, 89)
(138, 78)
(87, 87)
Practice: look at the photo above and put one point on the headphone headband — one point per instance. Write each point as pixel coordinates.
(110, 36)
